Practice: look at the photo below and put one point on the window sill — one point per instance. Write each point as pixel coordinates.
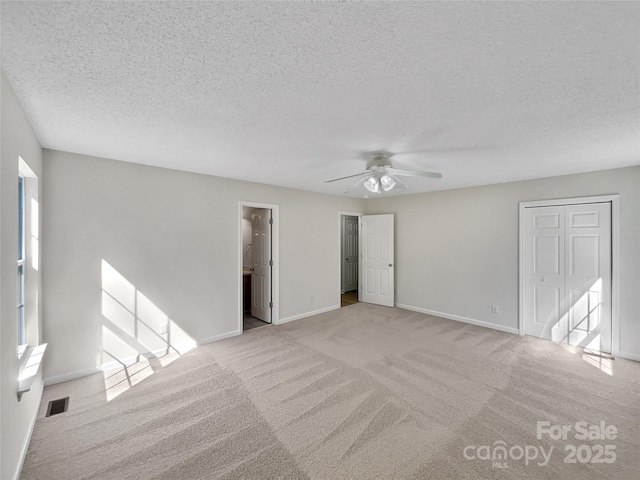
(28, 367)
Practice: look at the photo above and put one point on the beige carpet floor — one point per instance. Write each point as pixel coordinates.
(359, 392)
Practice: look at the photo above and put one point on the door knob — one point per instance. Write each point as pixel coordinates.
(542, 279)
(391, 264)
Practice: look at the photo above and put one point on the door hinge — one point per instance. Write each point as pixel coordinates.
(270, 304)
(271, 221)
(271, 263)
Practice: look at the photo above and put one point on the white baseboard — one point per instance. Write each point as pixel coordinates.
(307, 314)
(222, 336)
(32, 425)
(458, 318)
(628, 356)
(66, 377)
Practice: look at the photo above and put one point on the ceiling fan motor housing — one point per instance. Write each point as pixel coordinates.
(378, 161)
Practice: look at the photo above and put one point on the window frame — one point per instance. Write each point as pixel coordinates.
(21, 314)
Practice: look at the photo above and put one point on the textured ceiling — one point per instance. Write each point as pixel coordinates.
(292, 94)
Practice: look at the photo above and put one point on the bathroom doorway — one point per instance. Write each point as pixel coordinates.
(258, 265)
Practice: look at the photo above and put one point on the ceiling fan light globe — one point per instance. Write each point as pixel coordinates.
(387, 182)
(372, 184)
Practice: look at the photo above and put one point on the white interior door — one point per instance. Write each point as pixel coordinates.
(377, 259)
(588, 275)
(544, 277)
(261, 275)
(568, 274)
(350, 254)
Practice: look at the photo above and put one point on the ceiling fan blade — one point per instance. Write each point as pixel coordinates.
(400, 185)
(356, 185)
(342, 178)
(413, 173)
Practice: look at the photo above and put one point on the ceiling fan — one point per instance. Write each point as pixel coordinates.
(380, 175)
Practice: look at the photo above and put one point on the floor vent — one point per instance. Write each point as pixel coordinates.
(58, 406)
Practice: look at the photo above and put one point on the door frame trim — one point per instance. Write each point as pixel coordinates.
(275, 256)
(340, 215)
(615, 257)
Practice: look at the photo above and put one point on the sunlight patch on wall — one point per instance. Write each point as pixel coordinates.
(137, 335)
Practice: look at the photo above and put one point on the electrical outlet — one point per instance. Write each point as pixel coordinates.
(494, 308)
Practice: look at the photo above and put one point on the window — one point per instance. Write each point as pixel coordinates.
(30, 352)
(21, 264)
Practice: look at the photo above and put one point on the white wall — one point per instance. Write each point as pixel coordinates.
(174, 237)
(16, 418)
(457, 250)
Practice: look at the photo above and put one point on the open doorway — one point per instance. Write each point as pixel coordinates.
(349, 264)
(257, 265)
(367, 255)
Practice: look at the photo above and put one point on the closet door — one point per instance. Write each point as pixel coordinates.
(588, 275)
(568, 274)
(544, 300)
